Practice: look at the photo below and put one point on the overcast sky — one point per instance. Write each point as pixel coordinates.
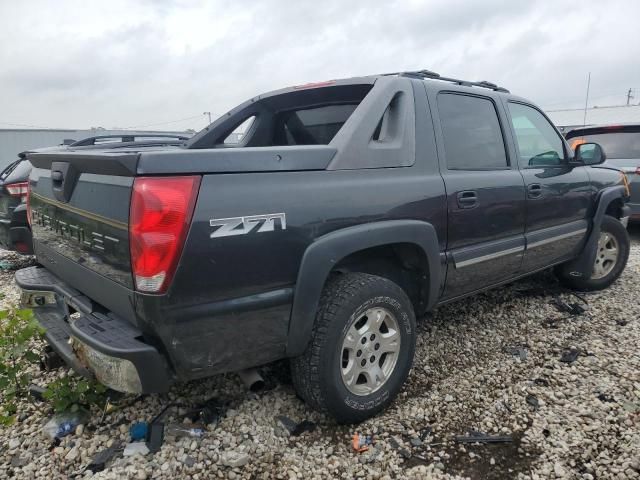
(149, 63)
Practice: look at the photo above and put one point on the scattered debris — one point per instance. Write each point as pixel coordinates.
(54, 444)
(135, 448)
(234, 459)
(63, 424)
(295, 428)
(570, 356)
(138, 431)
(517, 351)
(180, 430)
(361, 443)
(155, 436)
(36, 392)
(479, 437)
(401, 450)
(533, 401)
(622, 322)
(543, 382)
(100, 459)
(207, 412)
(570, 308)
(415, 442)
(6, 265)
(50, 360)
(425, 433)
(604, 397)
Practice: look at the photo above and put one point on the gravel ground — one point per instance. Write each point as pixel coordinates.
(490, 363)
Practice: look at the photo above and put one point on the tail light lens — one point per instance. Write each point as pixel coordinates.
(17, 189)
(28, 200)
(161, 210)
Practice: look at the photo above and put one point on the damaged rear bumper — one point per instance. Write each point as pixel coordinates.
(94, 342)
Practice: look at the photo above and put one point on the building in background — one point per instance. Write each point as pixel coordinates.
(14, 141)
(568, 119)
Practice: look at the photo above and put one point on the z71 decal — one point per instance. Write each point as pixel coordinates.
(243, 225)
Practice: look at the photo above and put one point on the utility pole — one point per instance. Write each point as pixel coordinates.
(586, 101)
(629, 96)
(209, 115)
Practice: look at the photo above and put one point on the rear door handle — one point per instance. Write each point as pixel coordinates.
(534, 190)
(467, 199)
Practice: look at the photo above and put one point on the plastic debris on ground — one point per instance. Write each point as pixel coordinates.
(533, 401)
(405, 453)
(179, 430)
(361, 443)
(155, 436)
(100, 459)
(135, 448)
(36, 391)
(6, 265)
(138, 431)
(479, 437)
(50, 360)
(570, 308)
(62, 424)
(570, 355)
(296, 428)
(543, 382)
(517, 351)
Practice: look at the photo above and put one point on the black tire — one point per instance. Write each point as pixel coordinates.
(316, 373)
(613, 227)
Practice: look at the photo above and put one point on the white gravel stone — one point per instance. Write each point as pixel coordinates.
(586, 425)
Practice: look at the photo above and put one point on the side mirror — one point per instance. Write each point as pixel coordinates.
(590, 154)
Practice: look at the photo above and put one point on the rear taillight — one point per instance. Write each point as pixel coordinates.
(17, 189)
(28, 200)
(161, 210)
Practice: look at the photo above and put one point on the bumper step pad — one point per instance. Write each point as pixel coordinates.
(102, 331)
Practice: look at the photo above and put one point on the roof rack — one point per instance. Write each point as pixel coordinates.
(424, 74)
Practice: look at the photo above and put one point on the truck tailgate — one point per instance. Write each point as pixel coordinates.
(80, 213)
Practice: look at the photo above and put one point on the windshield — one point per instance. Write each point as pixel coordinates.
(614, 144)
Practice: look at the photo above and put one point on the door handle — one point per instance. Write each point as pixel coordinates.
(534, 190)
(467, 199)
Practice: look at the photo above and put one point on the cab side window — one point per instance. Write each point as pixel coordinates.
(539, 145)
(472, 135)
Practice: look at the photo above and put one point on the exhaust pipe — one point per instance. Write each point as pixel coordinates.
(251, 379)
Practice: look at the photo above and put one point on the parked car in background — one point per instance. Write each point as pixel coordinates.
(621, 145)
(15, 233)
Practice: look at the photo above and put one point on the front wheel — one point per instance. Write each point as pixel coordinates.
(361, 348)
(611, 258)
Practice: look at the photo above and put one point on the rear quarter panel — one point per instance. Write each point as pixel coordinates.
(214, 272)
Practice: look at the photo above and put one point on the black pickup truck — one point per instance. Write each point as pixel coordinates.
(339, 213)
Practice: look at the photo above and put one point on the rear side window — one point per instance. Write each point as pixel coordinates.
(472, 135)
(305, 115)
(311, 126)
(539, 145)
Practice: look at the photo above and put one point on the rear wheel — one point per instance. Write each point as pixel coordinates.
(611, 258)
(361, 349)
